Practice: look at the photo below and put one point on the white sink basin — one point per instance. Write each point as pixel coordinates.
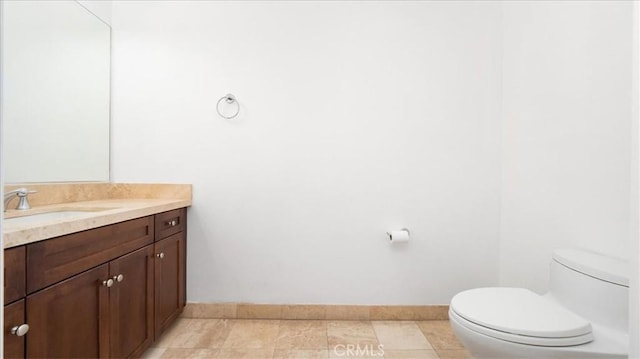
(41, 217)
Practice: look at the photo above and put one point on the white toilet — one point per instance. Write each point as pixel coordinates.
(584, 315)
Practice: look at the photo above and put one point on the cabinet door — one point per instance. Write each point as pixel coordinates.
(70, 319)
(169, 280)
(13, 317)
(131, 298)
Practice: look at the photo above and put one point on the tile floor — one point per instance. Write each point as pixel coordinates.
(300, 339)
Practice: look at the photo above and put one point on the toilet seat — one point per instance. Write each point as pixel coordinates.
(520, 316)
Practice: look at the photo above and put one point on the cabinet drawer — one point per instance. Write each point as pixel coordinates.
(14, 274)
(55, 259)
(171, 222)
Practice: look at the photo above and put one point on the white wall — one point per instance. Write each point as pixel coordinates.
(356, 118)
(567, 133)
(360, 117)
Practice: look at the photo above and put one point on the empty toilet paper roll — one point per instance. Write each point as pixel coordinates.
(400, 236)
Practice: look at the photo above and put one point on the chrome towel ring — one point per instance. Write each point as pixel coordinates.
(228, 99)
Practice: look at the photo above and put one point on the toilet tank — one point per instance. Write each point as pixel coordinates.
(591, 285)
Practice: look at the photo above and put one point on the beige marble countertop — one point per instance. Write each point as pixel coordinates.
(87, 206)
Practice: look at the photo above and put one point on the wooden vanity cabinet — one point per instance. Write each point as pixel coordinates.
(109, 282)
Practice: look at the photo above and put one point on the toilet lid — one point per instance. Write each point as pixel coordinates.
(521, 312)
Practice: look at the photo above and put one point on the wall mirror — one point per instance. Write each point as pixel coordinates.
(55, 92)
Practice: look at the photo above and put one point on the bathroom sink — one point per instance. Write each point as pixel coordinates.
(40, 217)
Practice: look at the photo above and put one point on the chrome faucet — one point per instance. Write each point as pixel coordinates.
(20, 193)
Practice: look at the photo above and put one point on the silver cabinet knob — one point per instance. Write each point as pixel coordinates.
(107, 283)
(118, 278)
(160, 255)
(172, 223)
(20, 330)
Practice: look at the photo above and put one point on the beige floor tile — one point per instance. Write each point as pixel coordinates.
(300, 339)
(253, 334)
(301, 354)
(410, 354)
(350, 333)
(178, 328)
(182, 353)
(153, 353)
(203, 333)
(400, 335)
(302, 334)
(230, 353)
(453, 354)
(440, 334)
